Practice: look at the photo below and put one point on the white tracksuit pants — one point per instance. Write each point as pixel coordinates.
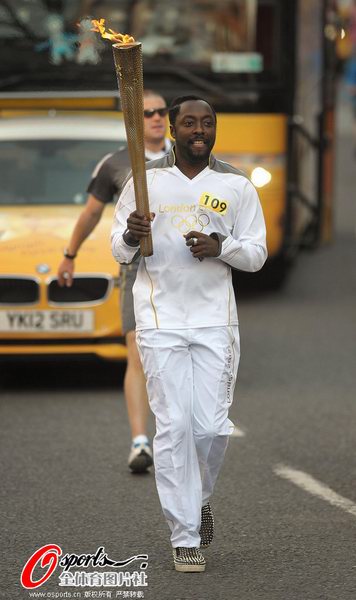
(190, 376)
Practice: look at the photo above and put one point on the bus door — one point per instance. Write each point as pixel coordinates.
(311, 126)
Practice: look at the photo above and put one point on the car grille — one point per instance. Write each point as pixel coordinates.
(17, 290)
(83, 290)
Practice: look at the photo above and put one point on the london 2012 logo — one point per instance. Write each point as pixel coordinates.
(50, 556)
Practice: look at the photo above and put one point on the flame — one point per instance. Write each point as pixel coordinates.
(113, 36)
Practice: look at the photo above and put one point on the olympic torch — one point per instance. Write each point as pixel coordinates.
(129, 72)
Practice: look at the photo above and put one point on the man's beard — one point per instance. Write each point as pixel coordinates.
(197, 158)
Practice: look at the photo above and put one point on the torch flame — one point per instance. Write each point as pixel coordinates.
(113, 36)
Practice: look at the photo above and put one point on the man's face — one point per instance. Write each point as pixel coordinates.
(195, 130)
(154, 126)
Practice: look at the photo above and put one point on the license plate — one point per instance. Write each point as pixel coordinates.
(59, 321)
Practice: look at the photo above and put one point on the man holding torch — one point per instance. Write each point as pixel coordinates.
(205, 219)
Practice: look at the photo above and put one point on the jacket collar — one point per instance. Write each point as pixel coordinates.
(172, 158)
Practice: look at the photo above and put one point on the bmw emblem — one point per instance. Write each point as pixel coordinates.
(43, 268)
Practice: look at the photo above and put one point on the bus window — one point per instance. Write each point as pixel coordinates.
(201, 32)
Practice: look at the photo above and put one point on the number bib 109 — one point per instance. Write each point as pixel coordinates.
(210, 202)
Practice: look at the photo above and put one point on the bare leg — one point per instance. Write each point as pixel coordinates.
(140, 457)
(135, 388)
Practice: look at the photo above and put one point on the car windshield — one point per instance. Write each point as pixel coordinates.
(49, 171)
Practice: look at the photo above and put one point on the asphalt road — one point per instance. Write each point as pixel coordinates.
(285, 503)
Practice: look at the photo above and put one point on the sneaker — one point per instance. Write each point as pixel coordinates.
(140, 457)
(188, 560)
(207, 526)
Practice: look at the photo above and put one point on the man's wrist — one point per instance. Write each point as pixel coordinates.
(219, 238)
(129, 239)
(69, 255)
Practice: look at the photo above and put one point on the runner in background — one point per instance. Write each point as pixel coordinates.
(105, 185)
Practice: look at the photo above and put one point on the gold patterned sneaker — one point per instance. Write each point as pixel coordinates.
(188, 560)
(207, 526)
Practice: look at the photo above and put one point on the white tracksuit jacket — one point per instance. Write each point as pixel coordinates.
(174, 290)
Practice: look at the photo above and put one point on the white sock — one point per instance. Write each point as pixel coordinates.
(140, 439)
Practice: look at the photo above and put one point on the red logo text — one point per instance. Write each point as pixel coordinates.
(47, 556)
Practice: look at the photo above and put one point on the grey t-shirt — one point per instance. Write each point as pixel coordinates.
(109, 175)
(106, 184)
(111, 171)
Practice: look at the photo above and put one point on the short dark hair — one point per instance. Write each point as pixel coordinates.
(174, 107)
(147, 93)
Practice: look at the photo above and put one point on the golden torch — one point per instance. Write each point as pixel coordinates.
(129, 71)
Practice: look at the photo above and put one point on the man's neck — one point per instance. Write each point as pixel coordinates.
(155, 146)
(190, 170)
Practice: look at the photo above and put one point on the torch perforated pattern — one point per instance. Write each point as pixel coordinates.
(128, 64)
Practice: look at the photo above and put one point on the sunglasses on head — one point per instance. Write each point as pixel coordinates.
(151, 111)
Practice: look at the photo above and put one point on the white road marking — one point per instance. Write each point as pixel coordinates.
(315, 487)
(238, 432)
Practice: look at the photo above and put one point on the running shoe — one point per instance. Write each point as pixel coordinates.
(140, 457)
(188, 560)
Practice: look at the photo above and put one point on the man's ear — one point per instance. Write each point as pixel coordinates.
(172, 131)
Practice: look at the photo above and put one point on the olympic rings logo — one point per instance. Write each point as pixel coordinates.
(185, 224)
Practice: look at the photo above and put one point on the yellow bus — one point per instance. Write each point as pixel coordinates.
(268, 67)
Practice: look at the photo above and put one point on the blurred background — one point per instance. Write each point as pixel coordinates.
(282, 77)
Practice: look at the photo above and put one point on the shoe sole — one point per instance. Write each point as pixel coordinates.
(190, 568)
(140, 464)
